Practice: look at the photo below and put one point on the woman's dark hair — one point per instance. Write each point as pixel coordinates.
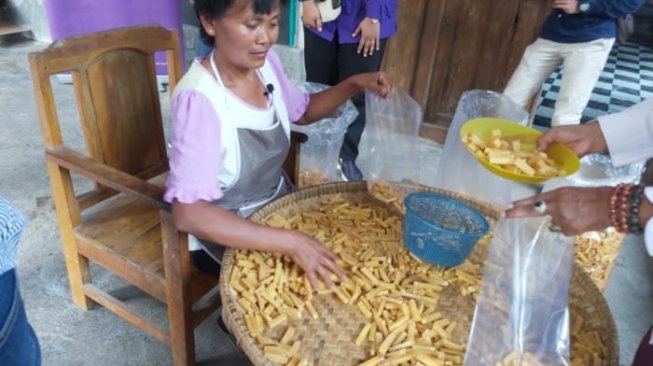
(217, 8)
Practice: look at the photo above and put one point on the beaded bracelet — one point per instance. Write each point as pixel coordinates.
(624, 213)
(633, 219)
(619, 206)
(615, 204)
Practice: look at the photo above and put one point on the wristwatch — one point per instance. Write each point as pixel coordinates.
(584, 6)
(375, 21)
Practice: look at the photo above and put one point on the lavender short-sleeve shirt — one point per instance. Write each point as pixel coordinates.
(195, 156)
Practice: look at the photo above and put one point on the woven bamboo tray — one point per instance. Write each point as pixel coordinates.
(329, 340)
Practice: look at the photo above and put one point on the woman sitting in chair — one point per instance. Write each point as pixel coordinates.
(231, 114)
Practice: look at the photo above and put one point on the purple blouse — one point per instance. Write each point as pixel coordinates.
(196, 147)
(353, 12)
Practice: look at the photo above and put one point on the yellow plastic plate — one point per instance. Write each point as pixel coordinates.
(564, 157)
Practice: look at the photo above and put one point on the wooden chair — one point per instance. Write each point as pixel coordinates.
(122, 224)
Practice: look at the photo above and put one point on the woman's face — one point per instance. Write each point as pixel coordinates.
(242, 36)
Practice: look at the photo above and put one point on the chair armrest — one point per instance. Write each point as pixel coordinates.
(108, 176)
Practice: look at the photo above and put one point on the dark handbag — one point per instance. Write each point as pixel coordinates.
(625, 27)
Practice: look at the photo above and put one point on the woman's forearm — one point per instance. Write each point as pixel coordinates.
(324, 103)
(218, 225)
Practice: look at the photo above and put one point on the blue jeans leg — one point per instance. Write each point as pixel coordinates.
(18, 343)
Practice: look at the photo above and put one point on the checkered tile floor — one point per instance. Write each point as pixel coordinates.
(626, 79)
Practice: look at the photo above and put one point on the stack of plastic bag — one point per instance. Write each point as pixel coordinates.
(318, 162)
(390, 143)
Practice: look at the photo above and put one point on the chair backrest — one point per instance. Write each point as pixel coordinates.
(114, 77)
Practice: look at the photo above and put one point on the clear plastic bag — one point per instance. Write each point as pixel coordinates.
(389, 148)
(318, 161)
(459, 171)
(522, 311)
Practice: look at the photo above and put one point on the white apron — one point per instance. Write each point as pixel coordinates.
(260, 155)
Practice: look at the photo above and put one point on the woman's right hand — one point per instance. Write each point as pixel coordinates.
(582, 139)
(316, 260)
(311, 16)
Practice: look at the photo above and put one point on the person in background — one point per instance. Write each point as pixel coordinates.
(231, 115)
(19, 345)
(628, 137)
(352, 43)
(579, 36)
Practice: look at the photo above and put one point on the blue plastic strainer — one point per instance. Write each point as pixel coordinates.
(440, 229)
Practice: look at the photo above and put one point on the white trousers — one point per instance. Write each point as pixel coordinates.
(582, 64)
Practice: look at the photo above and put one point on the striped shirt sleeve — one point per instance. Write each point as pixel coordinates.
(12, 223)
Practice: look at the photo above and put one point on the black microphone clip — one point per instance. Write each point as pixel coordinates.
(268, 89)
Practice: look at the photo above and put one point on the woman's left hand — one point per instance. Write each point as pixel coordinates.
(576, 210)
(370, 37)
(376, 82)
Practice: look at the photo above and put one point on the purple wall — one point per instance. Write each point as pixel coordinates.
(74, 17)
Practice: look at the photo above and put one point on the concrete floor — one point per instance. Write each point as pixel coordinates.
(71, 336)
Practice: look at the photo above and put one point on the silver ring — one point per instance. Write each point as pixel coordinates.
(555, 228)
(539, 207)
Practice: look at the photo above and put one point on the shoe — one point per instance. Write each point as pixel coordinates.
(349, 171)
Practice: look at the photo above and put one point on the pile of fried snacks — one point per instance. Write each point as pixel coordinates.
(397, 294)
(513, 155)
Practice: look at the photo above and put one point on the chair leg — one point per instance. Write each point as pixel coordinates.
(177, 273)
(76, 265)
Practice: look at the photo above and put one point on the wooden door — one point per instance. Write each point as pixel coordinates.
(446, 47)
